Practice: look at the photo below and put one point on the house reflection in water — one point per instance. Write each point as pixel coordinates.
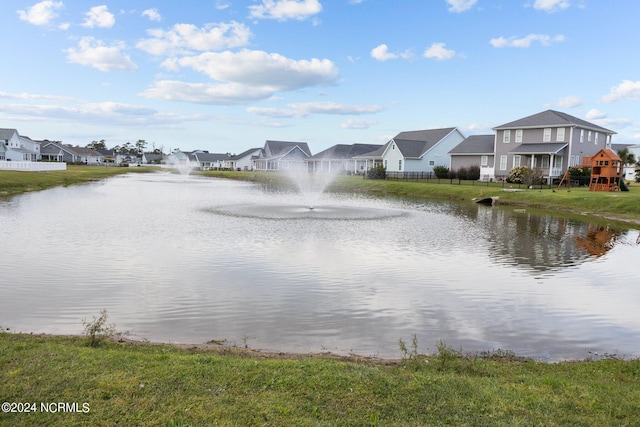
(542, 243)
(598, 240)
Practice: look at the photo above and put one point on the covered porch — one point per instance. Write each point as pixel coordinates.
(547, 158)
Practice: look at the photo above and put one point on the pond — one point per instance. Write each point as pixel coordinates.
(188, 259)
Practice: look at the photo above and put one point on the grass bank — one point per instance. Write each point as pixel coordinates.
(16, 182)
(618, 206)
(124, 384)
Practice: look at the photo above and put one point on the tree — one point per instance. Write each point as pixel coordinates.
(141, 144)
(627, 157)
(98, 145)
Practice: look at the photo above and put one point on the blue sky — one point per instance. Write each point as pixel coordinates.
(225, 75)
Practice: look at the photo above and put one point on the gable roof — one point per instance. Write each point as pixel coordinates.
(346, 151)
(413, 144)
(209, 157)
(281, 148)
(251, 151)
(551, 118)
(474, 144)
(7, 133)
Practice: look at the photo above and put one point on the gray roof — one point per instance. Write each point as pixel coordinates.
(210, 157)
(413, 144)
(544, 148)
(281, 148)
(475, 144)
(551, 118)
(7, 133)
(346, 151)
(245, 153)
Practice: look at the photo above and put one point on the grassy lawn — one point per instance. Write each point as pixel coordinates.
(128, 384)
(139, 384)
(15, 182)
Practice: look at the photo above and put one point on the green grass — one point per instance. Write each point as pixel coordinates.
(16, 182)
(128, 384)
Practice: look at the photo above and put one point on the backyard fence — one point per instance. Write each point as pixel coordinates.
(430, 178)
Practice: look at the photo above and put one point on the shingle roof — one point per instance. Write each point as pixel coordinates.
(475, 144)
(551, 118)
(7, 133)
(210, 157)
(544, 148)
(346, 151)
(413, 144)
(280, 148)
(245, 153)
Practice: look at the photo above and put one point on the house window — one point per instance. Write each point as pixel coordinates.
(506, 136)
(560, 135)
(503, 163)
(546, 137)
(432, 162)
(484, 160)
(400, 164)
(557, 162)
(518, 135)
(545, 162)
(517, 159)
(385, 164)
(589, 136)
(596, 138)
(581, 135)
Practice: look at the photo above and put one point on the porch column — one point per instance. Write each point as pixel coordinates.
(533, 156)
(551, 163)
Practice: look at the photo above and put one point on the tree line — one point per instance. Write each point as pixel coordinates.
(128, 148)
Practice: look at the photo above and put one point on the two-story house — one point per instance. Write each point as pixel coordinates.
(551, 141)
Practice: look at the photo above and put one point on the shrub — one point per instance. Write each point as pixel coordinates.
(519, 175)
(462, 173)
(377, 172)
(441, 171)
(98, 330)
(473, 172)
(575, 171)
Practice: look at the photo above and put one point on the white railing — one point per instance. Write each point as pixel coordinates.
(486, 173)
(556, 171)
(32, 166)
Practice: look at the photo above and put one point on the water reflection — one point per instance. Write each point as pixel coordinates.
(156, 252)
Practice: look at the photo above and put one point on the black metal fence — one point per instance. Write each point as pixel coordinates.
(430, 177)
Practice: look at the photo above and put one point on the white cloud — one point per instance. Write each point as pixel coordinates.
(184, 38)
(283, 10)
(551, 5)
(525, 42)
(303, 109)
(202, 93)
(99, 16)
(276, 113)
(327, 107)
(439, 52)
(94, 53)
(595, 114)
(458, 6)
(381, 53)
(625, 90)
(571, 101)
(358, 124)
(31, 96)
(242, 77)
(41, 13)
(152, 14)
(258, 68)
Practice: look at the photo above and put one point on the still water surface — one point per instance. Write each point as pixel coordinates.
(186, 259)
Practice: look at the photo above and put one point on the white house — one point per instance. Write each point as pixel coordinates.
(244, 160)
(282, 155)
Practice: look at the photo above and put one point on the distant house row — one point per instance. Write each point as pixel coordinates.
(550, 141)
